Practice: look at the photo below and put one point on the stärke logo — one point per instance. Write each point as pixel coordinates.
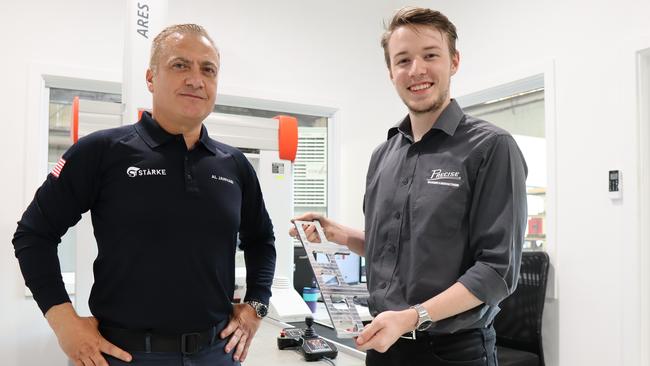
(441, 177)
(134, 171)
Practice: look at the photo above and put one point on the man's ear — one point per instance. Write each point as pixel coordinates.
(455, 62)
(149, 78)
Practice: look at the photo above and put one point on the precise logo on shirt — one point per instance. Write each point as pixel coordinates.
(134, 171)
(441, 177)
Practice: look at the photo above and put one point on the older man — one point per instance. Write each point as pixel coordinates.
(166, 229)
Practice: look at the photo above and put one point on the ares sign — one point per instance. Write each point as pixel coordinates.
(143, 19)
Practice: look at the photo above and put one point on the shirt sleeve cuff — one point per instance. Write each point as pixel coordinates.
(46, 297)
(485, 283)
(261, 294)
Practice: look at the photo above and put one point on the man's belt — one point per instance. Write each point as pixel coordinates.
(151, 341)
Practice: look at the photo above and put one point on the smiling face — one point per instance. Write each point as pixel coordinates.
(183, 80)
(421, 67)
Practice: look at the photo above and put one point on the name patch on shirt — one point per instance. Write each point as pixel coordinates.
(222, 179)
(134, 171)
(444, 178)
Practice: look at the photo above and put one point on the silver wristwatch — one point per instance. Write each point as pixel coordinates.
(260, 309)
(424, 320)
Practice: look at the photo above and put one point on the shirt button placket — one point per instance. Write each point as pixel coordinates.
(188, 172)
(389, 262)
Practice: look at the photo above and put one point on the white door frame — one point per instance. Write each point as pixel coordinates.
(643, 103)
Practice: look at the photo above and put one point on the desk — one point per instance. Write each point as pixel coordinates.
(264, 350)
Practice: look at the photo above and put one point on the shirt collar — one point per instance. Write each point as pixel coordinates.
(447, 122)
(206, 141)
(154, 135)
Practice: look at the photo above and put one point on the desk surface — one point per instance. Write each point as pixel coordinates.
(264, 350)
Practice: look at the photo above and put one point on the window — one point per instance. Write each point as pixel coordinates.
(310, 166)
(310, 171)
(522, 114)
(59, 140)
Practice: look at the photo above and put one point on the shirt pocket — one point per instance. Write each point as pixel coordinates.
(438, 210)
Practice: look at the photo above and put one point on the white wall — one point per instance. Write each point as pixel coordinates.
(327, 53)
(78, 33)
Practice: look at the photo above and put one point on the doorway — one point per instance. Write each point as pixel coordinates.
(643, 99)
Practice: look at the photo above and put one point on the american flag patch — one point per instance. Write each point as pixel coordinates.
(58, 167)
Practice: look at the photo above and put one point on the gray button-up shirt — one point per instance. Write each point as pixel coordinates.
(449, 208)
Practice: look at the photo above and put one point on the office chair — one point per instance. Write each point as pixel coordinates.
(519, 323)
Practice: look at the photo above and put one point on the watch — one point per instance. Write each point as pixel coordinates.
(260, 309)
(424, 320)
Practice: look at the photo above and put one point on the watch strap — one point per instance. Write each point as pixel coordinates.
(424, 320)
(260, 308)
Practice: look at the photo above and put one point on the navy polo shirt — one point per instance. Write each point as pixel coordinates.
(166, 220)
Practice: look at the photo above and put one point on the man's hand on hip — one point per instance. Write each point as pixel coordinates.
(80, 339)
(241, 329)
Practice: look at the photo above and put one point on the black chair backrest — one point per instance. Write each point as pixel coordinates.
(519, 323)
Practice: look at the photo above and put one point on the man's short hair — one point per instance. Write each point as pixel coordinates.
(157, 44)
(411, 16)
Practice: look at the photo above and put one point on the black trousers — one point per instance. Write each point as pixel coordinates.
(467, 348)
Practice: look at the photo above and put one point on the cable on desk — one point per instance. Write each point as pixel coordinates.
(328, 360)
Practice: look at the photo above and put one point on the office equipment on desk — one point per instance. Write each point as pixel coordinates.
(264, 349)
(310, 295)
(311, 345)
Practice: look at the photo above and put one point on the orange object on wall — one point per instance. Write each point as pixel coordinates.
(287, 137)
(74, 128)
